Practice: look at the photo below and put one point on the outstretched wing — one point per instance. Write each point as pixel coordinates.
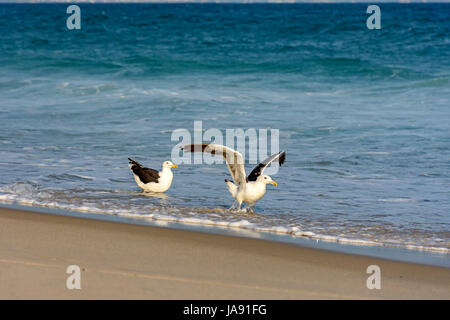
(146, 175)
(234, 159)
(259, 169)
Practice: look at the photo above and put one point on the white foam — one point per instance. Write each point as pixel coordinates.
(83, 177)
(240, 224)
(196, 221)
(244, 225)
(304, 234)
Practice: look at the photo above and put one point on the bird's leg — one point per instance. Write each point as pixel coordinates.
(234, 206)
(251, 208)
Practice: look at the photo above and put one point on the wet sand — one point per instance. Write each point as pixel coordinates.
(123, 261)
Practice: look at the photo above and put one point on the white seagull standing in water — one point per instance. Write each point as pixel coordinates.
(151, 180)
(245, 189)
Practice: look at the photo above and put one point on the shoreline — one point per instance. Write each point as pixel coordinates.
(126, 261)
(413, 254)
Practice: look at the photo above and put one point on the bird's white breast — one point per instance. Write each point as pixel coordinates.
(251, 192)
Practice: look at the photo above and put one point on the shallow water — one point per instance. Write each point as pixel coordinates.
(362, 114)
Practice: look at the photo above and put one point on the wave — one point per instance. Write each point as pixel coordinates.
(31, 195)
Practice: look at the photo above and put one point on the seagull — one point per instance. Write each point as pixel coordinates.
(151, 180)
(244, 189)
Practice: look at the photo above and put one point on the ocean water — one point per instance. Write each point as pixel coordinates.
(363, 114)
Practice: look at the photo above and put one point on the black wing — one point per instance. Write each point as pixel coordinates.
(259, 169)
(146, 175)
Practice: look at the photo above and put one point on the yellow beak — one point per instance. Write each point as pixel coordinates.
(274, 183)
(174, 166)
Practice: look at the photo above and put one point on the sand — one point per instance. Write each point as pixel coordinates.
(124, 261)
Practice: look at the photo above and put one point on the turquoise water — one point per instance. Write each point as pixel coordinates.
(363, 114)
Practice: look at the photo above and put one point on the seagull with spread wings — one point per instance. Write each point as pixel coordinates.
(248, 189)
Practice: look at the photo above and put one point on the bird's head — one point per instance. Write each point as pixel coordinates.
(267, 180)
(169, 164)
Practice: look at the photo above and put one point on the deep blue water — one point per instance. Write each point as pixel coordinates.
(363, 114)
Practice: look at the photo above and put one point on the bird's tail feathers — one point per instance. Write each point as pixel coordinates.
(133, 162)
(232, 188)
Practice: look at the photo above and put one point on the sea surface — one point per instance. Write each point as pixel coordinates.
(364, 115)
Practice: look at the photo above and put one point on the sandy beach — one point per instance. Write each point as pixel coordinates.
(122, 261)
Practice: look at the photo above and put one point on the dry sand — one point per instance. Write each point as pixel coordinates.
(122, 261)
